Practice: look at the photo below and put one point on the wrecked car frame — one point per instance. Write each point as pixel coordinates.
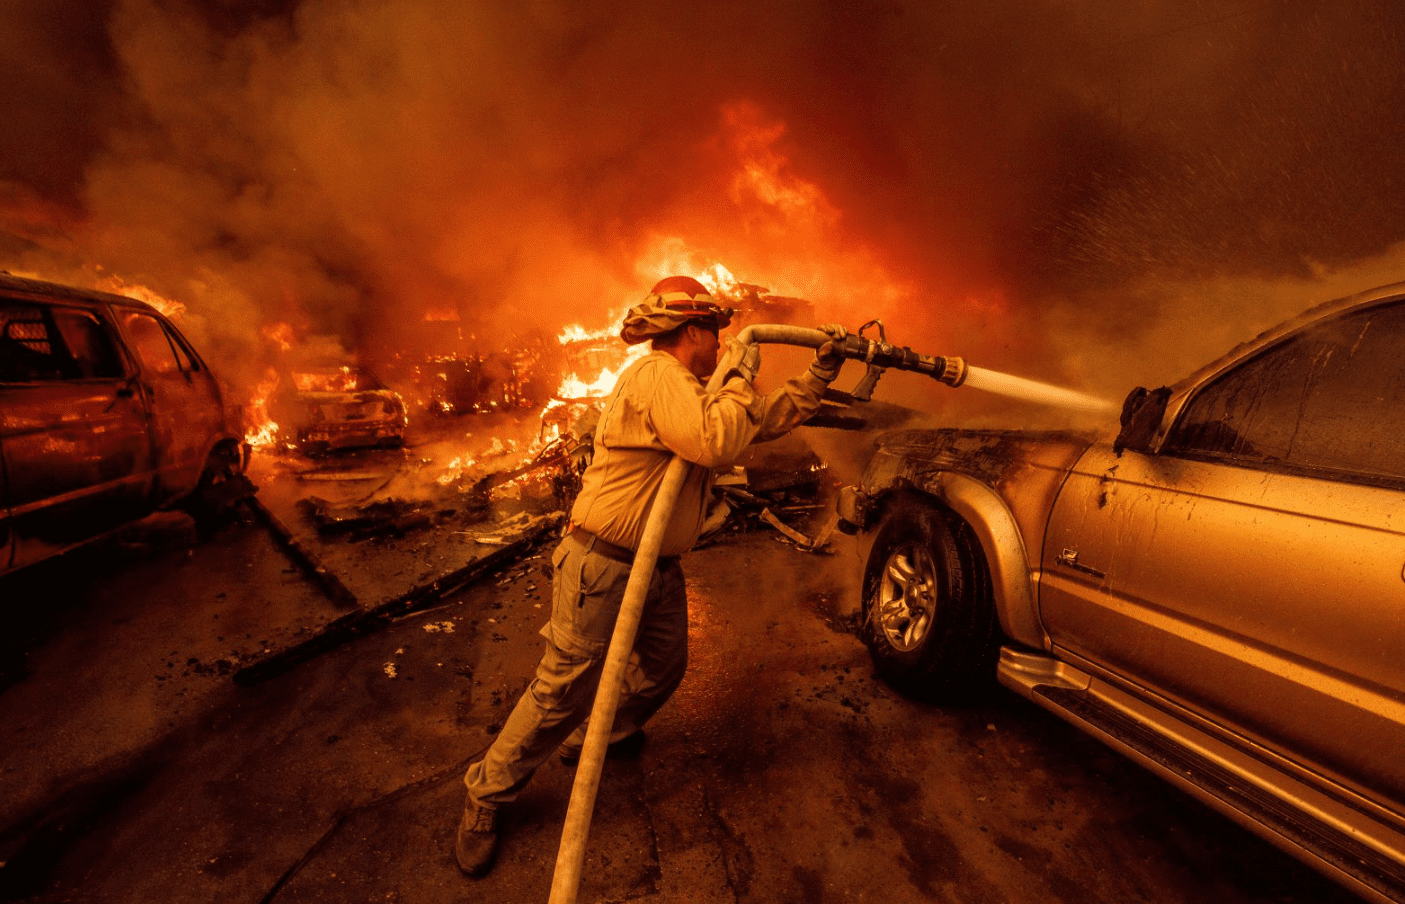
(1215, 591)
(329, 407)
(106, 414)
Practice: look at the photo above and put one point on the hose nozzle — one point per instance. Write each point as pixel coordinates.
(949, 370)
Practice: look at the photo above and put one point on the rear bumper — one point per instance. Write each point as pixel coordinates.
(351, 433)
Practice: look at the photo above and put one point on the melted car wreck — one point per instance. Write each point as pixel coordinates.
(338, 406)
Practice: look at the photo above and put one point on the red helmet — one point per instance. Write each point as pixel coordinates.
(680, 284)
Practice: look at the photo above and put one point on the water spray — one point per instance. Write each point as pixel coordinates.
(949, 369)
(879, 356)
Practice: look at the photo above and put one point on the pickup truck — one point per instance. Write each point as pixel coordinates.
(1216, 589)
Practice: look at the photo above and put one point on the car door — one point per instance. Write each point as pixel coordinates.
(77, 458)
(1251, 569)
(183, 400)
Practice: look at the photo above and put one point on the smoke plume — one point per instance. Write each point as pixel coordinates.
(1096, 193)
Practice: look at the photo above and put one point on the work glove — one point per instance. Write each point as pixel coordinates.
(827, 358)
(740, 360)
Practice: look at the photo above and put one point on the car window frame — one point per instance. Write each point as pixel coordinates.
(1168, 447)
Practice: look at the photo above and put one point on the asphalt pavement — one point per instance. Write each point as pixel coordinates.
(135, 769)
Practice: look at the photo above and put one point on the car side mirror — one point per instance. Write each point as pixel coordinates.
(1141, 417)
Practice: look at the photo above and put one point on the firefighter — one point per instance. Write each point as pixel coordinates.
(658, 409)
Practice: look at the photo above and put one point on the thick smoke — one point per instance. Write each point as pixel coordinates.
(1097, 193)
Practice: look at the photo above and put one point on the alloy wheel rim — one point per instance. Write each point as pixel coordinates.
(907, 596)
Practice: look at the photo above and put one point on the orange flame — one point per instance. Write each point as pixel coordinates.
(280, 334)
(118, 286)
(262, 432)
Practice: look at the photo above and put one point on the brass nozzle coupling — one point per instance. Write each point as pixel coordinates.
(954, 373)
(949, 370)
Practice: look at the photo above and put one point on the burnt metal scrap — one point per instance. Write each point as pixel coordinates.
(561, 462)
(385, 517)
(838, 411)
(778, 499)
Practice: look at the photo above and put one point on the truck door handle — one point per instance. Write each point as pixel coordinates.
(126, 392)
(1069, 558)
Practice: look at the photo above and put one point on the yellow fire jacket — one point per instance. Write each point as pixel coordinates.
(659, 409)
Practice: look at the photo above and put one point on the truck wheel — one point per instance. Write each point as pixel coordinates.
(221, 488)
(929, 618)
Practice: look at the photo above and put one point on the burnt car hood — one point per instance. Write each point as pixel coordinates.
(990, 456)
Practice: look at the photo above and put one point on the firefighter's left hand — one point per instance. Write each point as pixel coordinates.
(827, 357)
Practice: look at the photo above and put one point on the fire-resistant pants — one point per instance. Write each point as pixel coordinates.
(587, 589)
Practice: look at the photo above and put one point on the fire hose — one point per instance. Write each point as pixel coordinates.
(878, 355)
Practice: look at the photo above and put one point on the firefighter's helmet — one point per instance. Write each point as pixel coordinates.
(672, 302)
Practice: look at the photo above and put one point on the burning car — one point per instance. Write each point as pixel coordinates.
(337, 406)
(107, 413)
(1215, 591)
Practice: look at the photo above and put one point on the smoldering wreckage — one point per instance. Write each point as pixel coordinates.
(513, 497)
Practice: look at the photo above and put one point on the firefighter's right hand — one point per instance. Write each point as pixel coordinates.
(740, 360)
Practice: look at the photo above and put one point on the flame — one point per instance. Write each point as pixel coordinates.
(280, 334)
(765, 172)
(456, 469)
(719, 280)
(605, 358)
(573, 386)
(262, 432)
(118, 286)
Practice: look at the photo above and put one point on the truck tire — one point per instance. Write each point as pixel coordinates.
(221, 488)
(929, 617)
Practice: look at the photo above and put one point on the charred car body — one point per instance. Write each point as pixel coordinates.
(337, 406)
(106, 414)
(1215, 592)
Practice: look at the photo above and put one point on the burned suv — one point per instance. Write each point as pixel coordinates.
(1216, 591)
(106, 415)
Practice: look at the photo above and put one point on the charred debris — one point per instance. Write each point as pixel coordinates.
(504, 515)
(785, 494)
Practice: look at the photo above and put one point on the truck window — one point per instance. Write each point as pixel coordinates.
(1328, 399)
(89, 343)
(30, 348)
(153, 345)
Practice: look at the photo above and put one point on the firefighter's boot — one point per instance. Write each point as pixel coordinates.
(477, 839)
